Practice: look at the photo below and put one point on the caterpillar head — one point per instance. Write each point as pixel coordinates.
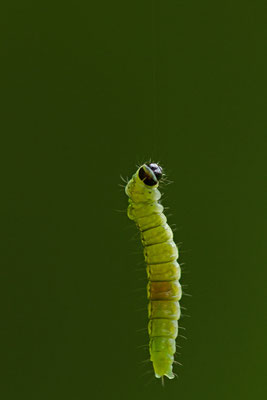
(150, 174)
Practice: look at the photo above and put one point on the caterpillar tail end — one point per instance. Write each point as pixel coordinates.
(169, 375)
(160, 373)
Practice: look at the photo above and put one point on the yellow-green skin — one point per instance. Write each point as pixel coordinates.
(163, 271)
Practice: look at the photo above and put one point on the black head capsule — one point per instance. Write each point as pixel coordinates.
(150, 174)
(156, 169)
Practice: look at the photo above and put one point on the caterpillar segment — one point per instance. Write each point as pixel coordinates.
(163, 271)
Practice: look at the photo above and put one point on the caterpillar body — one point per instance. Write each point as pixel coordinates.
(163, 271)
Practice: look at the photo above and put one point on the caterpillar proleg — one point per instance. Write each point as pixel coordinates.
(163, 271)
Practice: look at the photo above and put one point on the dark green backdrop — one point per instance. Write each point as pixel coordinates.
(77, 111)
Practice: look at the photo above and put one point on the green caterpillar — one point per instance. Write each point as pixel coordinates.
(163, 271)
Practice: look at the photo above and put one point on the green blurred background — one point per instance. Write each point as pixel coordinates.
(78, 99)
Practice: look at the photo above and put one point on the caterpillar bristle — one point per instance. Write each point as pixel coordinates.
(182, 327)
(177, 363)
